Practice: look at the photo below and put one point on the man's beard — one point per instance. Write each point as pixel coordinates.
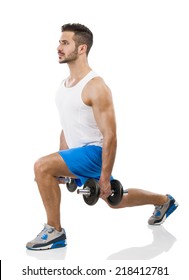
(71, 57)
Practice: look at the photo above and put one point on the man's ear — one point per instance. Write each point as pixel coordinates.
(82, 49)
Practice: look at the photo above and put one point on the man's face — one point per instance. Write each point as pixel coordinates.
(67, 51)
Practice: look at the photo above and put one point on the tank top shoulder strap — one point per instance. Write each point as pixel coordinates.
(87, 78)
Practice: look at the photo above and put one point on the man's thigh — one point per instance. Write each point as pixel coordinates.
(54, 165)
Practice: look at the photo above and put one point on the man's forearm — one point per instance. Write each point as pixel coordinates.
(108, 157)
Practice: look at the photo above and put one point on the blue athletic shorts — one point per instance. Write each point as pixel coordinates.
(84, 162)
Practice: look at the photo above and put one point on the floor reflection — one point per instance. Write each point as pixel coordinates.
(54, 254)
(162, 242)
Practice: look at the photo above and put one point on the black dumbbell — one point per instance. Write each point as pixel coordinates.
(70, 183)
(91, 192)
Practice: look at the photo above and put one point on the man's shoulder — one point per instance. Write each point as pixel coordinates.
(96, 83)
(95, 89)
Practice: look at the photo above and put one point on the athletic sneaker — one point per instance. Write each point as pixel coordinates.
(48, 238)
(162, 212)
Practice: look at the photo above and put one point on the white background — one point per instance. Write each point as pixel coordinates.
(141, 50)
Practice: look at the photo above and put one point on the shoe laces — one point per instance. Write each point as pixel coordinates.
(157, 210)
(45, 231)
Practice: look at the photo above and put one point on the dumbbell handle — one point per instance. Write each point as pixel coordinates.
(65, 179)
(87, 192)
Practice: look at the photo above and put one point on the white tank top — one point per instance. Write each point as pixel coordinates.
(77, 118)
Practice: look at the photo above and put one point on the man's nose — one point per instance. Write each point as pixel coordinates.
(59, 48)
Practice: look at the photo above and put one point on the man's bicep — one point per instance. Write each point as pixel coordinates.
(103, 109)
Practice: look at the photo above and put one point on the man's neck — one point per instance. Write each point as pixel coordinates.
(77, 72)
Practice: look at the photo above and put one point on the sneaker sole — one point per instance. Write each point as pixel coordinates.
(169, 211)
(58, 244)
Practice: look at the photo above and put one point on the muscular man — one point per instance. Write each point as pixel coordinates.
(87, 141)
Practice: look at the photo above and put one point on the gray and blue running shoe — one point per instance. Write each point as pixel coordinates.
(162, 212)
(48, 238)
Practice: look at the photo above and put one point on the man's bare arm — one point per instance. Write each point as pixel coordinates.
(100, 99)
(63, 144)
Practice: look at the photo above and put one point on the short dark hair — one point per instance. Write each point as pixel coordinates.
(82, 34)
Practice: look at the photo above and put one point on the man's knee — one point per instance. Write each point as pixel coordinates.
(118, 206)
(40, 167)
(111, 206)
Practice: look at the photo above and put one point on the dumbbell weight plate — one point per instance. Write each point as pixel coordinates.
(72, 186)
(117, 194)
(94, 188)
